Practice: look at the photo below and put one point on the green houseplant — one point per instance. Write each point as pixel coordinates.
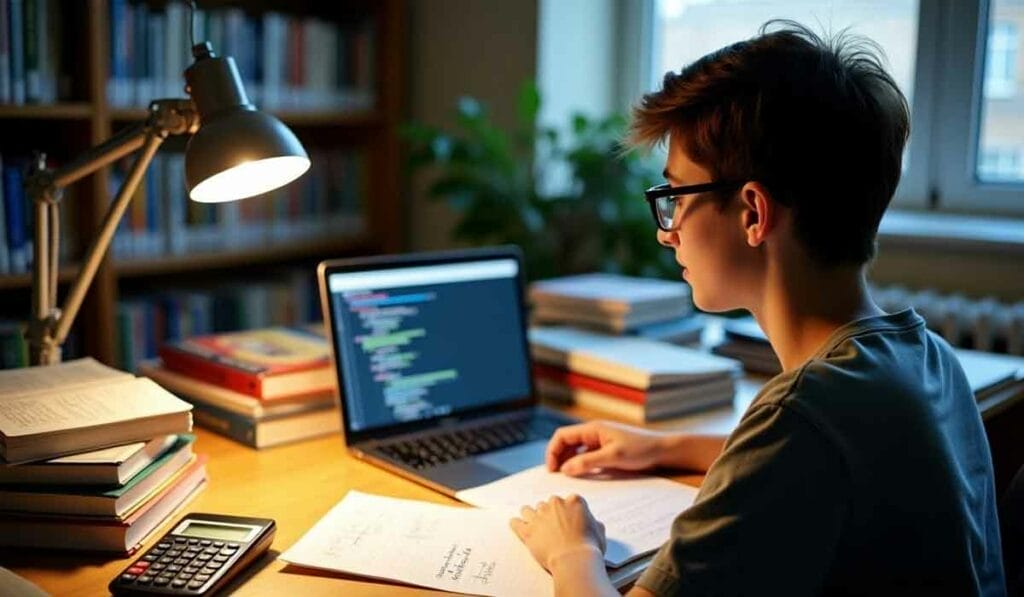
(495, 181)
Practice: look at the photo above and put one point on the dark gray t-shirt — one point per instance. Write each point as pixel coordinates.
(866, 471)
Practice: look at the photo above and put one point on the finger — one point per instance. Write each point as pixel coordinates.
(527, 513)
(540, 507)
(518, 527)
(566, 440)
(588, 461)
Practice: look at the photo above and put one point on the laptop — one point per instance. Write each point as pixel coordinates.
(433, 365)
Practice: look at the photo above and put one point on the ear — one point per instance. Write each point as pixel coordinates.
(760, 213)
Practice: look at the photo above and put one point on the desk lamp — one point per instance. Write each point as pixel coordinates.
(235, 152)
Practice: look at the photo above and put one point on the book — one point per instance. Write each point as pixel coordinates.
(106, 467)
(269, 431)
(619, 324)
(628, 361)
(989, 373)
(710, 395)
(85, 500)
(79, 406)
(109, 534)
(199, 392)
(269, 364)
(14, 209)
(610, 294)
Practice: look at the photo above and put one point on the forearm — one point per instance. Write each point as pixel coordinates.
(690, 452)
(581, 572)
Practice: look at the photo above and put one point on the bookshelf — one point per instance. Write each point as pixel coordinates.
(85, 113)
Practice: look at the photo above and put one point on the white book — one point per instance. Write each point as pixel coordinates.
(611, 294)
(79, 406)
(988, 372)
(108, 466)
(634, 362)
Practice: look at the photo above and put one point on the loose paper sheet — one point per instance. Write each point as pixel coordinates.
(637, 510)
(443, 547)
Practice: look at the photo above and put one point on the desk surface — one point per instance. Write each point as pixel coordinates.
(294, 484)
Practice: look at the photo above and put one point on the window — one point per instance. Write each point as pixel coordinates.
(957, 62)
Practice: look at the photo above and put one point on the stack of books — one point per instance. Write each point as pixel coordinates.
(745, 341)
(259, 387)
(93, 458)
(615, 304)
(635, 379)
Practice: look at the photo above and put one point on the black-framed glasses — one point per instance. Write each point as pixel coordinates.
(662, 199)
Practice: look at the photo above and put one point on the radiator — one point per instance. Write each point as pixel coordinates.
(978, 323)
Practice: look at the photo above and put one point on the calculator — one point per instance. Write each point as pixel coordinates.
(200, 555)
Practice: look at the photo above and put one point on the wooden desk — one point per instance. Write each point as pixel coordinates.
(296, 485)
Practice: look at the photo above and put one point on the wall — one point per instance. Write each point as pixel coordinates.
(462, 47)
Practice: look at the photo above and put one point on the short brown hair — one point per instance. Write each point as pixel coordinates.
(819, 122)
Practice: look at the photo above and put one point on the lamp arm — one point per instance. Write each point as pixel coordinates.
(100, 244)
(49, 327)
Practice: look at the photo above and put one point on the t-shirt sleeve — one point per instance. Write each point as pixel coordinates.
(768, 516)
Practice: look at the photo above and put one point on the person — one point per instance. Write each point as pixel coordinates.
(863, 467)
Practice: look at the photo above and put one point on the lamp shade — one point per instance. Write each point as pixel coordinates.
(238, 151)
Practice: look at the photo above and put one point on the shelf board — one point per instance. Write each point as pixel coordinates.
(65, 111)
(291, 251)
(13, 281)
(292, 117)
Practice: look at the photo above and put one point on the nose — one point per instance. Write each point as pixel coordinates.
(668, 239)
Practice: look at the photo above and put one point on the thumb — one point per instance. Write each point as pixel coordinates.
(587, 461)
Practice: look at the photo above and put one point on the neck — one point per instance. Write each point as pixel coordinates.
(798, 316)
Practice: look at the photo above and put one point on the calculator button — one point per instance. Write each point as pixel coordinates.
(136, 570)
(145, 579)
(181, 539)
(211, 550)
(205, 542)
(174, 568)
(191, 553)
(174, 553)
(234, 545)
(179, 584)
(218, 544)
(157, 566)
(227, 551)
(182, 561)
(163, 545)
(203, 557)
(195, 585)
(165, 560)
(209, 570)
(186, 575)
(191, 569)
(165, 574)
(150, 557)
(202, 577)
(221, 558)
(128, 577)
(193, 541)
(141, 564)
(161, 581)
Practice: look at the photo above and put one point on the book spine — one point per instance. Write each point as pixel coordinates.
(16, 24)
(31, 40)
(218, 373)
(5, 263)
(5, 53)
(232, 425)
(575, 380)
(14, 205)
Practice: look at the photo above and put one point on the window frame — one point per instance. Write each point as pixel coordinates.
(940, 168)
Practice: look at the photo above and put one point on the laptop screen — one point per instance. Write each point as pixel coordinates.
(423, 341)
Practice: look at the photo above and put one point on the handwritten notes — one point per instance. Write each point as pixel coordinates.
(442, 547)
(637, 510)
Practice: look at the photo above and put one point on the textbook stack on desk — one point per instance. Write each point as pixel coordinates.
(746, 342)
(259, 387)
(610, 303)
(634, 378)
(100, 458)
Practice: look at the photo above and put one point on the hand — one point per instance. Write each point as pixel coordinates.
(608, 445)
(559, 527)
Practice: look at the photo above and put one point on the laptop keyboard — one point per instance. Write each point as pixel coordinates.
(421, 453)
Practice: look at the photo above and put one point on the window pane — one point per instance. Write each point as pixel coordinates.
(685, 30)
(1001, 143)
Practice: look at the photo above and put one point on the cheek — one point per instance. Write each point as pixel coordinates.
(715, 268)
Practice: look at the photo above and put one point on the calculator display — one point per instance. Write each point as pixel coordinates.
(215, 531)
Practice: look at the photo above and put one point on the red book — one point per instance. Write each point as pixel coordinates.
(585, 382)
(268, 364)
